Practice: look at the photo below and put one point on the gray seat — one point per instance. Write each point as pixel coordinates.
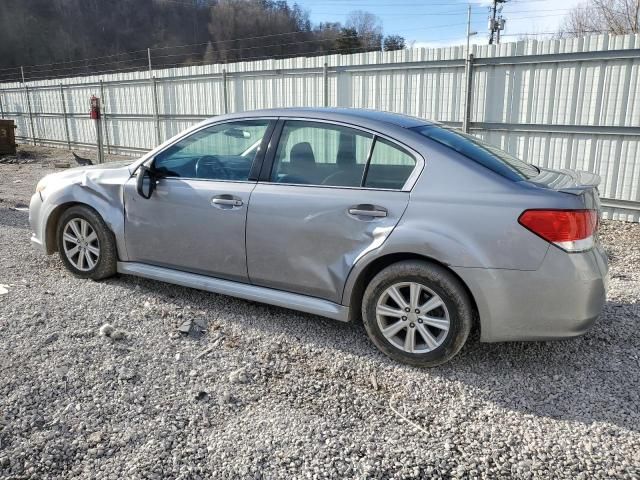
(302, 164)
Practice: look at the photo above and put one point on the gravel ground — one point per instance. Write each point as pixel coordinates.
(271, 393)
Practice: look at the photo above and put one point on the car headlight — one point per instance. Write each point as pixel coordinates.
(42, 184)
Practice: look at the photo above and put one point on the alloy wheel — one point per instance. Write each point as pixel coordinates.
(80, 243)
(412, 317)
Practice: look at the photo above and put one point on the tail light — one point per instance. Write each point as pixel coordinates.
(571, 230)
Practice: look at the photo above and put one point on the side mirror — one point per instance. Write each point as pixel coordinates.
(145, 181)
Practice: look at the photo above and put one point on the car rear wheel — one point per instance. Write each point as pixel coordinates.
(417, 313)
(85, 243)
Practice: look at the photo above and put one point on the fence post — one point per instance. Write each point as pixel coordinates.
(104, 116)
(468, 74)
(64, 116)
(325, 85)
(26, 91)
(1, 105)
(225, 93)
(154, 93)
(99, 140)
(156, 116)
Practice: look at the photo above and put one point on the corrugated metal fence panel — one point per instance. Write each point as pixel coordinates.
(512, 98)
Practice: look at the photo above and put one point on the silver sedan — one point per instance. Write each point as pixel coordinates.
(416, 229)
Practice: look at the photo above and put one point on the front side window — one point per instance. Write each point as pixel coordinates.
(220, 152)
(314, 153)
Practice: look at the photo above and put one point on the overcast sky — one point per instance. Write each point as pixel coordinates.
(433, 23)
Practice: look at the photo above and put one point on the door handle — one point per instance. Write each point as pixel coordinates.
(368, 211)
(226, 201)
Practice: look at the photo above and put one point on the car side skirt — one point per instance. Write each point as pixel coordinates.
(245, 291)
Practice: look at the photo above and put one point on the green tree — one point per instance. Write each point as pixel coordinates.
(393, 42)
(348, 41)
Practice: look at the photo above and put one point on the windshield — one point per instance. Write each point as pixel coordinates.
(483, 153)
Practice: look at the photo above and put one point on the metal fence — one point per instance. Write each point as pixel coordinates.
(572, 103)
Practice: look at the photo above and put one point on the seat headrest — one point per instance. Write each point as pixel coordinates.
(302, 153)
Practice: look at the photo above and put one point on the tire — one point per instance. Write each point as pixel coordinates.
(96, 242)
(422, 338)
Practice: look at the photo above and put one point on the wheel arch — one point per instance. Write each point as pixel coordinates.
(53, 219)
(354, 295)
(51, 228)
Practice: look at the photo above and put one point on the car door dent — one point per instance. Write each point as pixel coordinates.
(379, 235)
(309, 245)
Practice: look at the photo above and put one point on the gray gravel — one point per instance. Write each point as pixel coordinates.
(270, 393)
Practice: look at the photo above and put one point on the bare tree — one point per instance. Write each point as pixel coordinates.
(368, 28)
(602, 16)
(55, 38)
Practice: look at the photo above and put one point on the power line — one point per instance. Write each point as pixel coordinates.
(142, 68)
(38, 68)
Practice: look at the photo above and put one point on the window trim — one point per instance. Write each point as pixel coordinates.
(257, 161)
(269, 157)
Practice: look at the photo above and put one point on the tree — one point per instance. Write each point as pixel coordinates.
(368, 27)
(393, 42)
(618, 17)
(209, 54)
(349, 41)
(57, 38)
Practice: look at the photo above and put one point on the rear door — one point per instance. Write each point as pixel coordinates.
(195, 220)
(329, 194)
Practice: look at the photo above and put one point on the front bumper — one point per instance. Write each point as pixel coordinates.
(38, 229)
(563, 298)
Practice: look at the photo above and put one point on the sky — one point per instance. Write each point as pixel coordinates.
(437, 23)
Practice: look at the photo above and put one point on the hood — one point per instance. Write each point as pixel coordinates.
(102, 166)
(106, 173)
(90, 169)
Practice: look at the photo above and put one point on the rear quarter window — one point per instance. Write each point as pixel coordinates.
(483, 153)
(390, 166)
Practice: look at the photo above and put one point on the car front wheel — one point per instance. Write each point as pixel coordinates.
(86, 245)
(417, 313)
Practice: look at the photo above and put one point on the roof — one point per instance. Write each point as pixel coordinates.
(354, 115)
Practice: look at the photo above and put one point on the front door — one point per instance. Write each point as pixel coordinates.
(334, 193)
(195, 219)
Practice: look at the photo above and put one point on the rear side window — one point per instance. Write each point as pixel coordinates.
(483, 153)
(321, 154)
(318, 153)
(390, 166)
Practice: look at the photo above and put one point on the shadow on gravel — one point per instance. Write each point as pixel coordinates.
(593, 378)
(13, 218)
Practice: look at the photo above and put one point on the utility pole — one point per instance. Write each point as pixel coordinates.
(469, 32)
(468, 72)
(496, 22)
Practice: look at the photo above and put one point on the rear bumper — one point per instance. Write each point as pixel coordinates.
(563, 298)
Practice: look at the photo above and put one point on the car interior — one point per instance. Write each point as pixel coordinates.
(345, 170)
